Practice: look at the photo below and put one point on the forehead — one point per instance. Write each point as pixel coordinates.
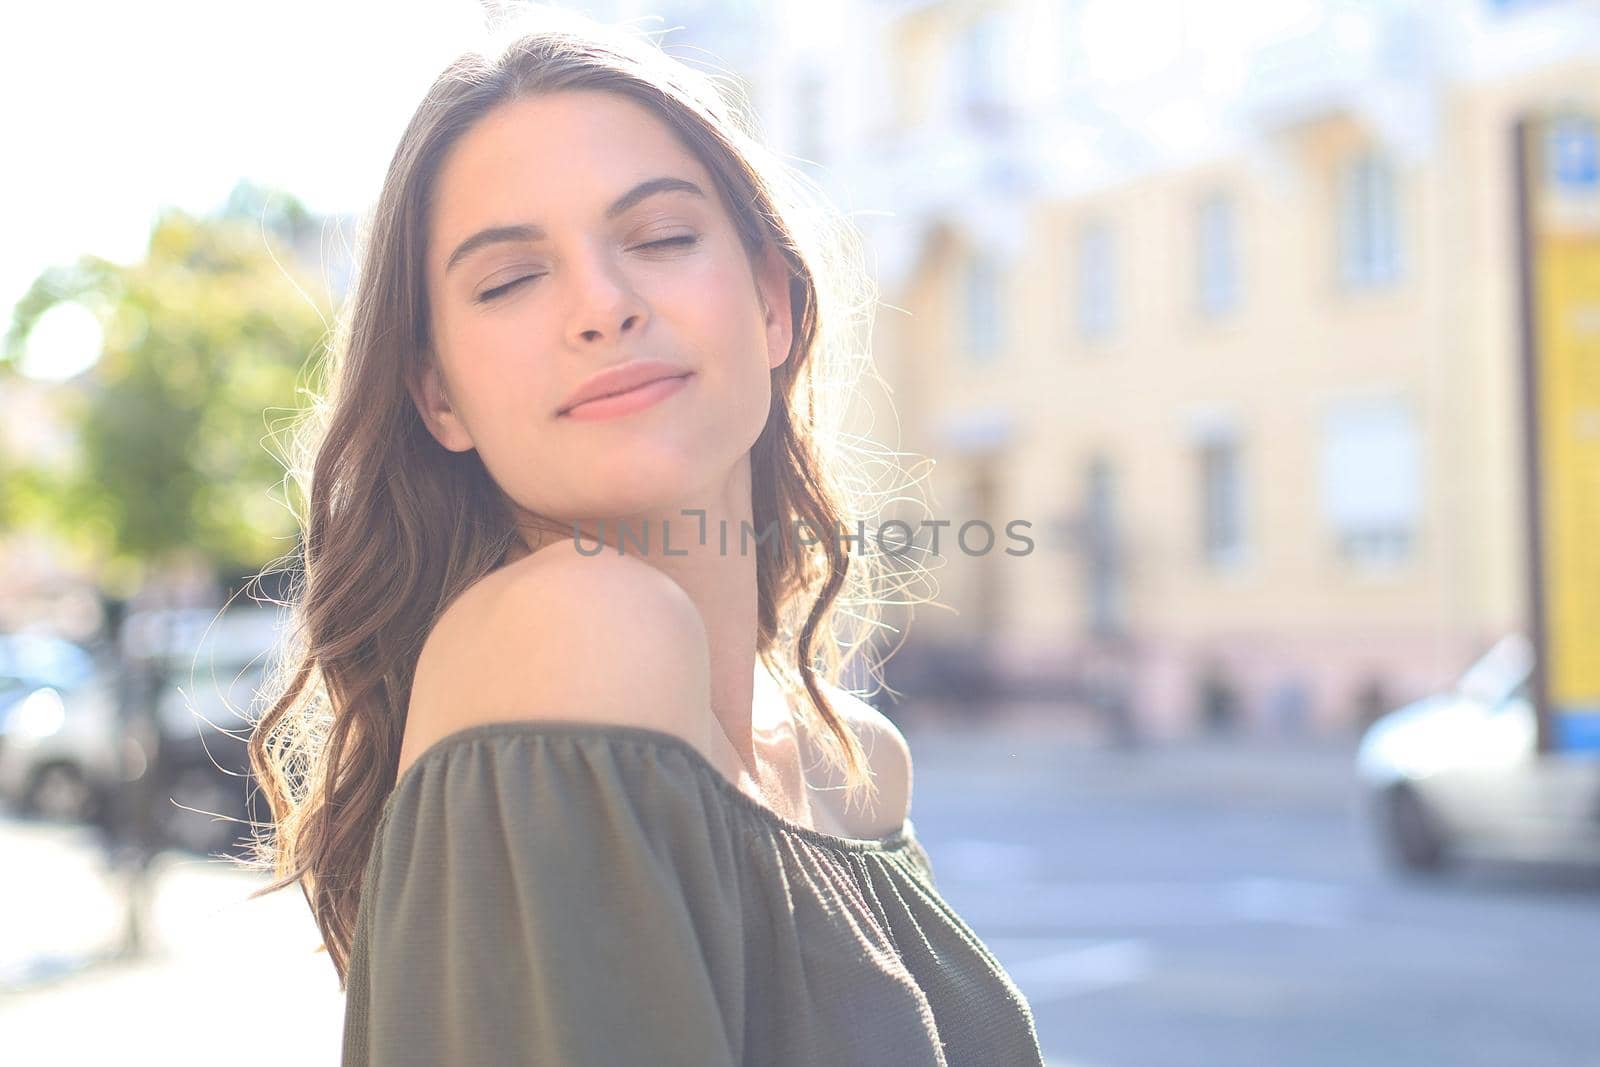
(541, 158)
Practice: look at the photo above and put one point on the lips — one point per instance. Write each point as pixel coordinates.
(633, 401)
(641, 385)
(619, 379)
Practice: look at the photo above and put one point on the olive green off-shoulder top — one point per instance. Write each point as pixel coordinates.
(597, 895)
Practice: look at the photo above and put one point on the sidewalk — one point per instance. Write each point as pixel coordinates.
(226, 978)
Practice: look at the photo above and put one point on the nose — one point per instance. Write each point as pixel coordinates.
(605, 305)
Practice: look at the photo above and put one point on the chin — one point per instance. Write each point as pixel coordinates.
(654, 483)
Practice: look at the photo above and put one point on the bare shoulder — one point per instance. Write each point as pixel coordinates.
(888, 753)
(561, 636)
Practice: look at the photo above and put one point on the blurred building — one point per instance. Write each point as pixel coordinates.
(1219, 298)
(1232, 320)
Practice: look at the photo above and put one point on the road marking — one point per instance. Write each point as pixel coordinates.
(972, 859)
(1286, 901)
(1000, 905)
(1071, 967)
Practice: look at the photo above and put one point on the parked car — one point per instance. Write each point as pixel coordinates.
(208, 669)
(1460, 774)
(58, 728)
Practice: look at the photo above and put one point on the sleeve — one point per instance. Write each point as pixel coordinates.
(531, 900)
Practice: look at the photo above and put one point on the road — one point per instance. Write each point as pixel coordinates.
(1214, 906)
(1205, 905)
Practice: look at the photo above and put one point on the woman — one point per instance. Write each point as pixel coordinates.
(555, 766)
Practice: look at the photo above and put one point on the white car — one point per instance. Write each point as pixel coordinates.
(1459, 774)
(212, 667)
(58, 728)
(73, 735)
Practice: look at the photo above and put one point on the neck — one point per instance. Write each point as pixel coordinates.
(719, 576)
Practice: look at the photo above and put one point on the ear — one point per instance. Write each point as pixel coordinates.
(772, 286)
(432, 401)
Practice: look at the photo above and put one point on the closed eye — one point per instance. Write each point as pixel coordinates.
(487, 295)
(490, 294)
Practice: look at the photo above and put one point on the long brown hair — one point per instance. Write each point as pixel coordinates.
(398, 526)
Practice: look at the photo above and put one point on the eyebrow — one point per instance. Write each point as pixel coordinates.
(524, 233)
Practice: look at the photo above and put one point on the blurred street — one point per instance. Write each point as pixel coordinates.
(1218, 904)
(1214, 903)
(1206, 394)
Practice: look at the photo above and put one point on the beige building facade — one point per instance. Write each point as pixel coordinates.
(1262, 411)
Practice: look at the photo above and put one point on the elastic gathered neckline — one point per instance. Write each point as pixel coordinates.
(649, 736)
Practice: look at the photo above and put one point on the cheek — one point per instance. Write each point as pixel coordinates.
(735, 349)
(729, 319)
(499, 358)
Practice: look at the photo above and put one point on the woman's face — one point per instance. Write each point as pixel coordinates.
(595, 278)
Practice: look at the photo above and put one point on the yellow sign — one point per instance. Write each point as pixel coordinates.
(1564, 241)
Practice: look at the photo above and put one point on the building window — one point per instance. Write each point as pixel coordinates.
(1102, 549)
(983, 319)
(981, 66)
(1573, 147)
(1372, 480)
(1097, 291)
(1218, 255)
(1369, 222)
(1221, 501)
(1501, 6)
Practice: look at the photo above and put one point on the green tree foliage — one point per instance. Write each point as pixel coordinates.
(175, 428)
